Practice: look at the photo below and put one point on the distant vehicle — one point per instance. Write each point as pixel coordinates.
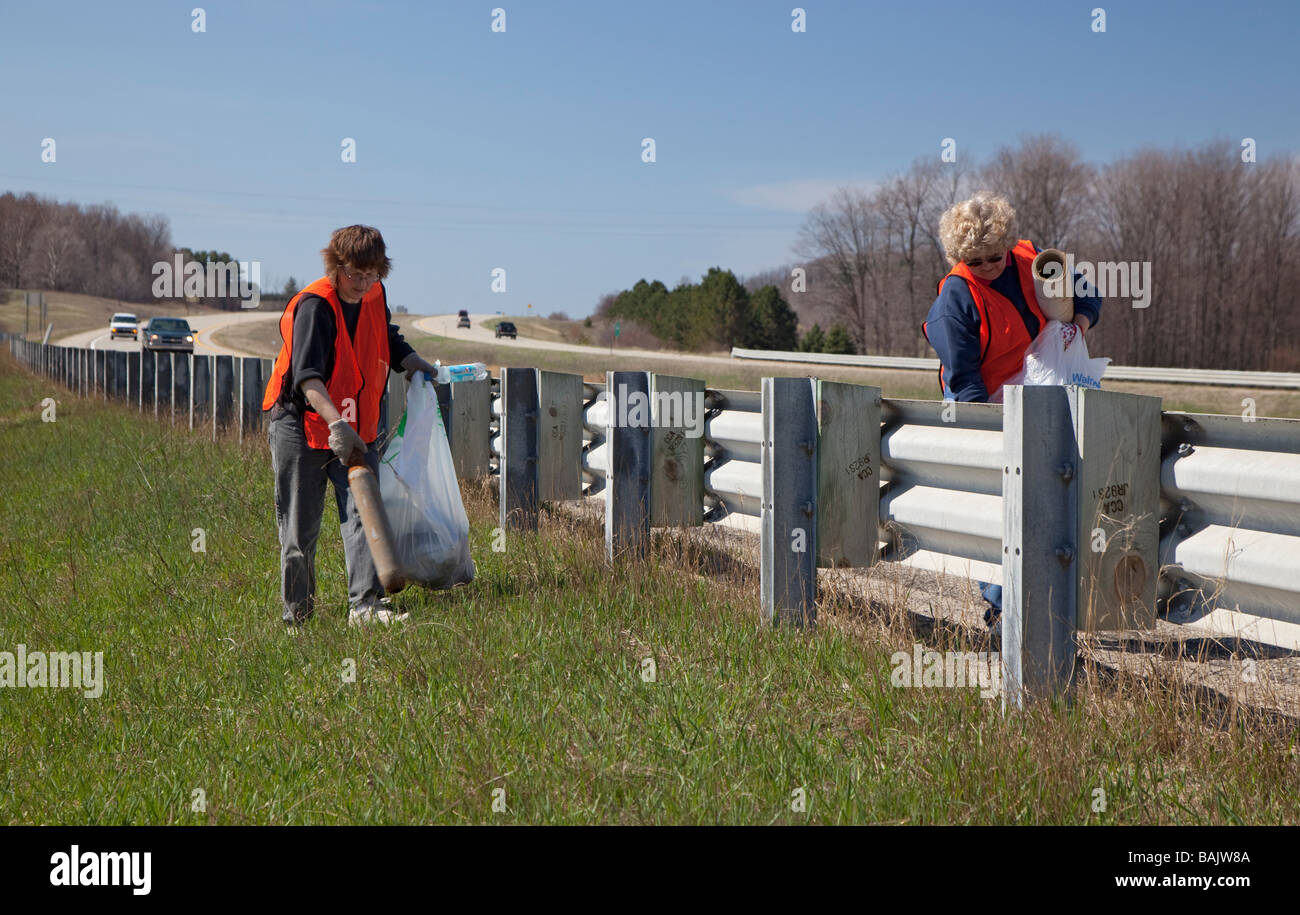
(124, 324)
(507, 329)
(464, 320)
(168, 335)
(463, 313)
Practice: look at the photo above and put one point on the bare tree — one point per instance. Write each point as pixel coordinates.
(1047, 183)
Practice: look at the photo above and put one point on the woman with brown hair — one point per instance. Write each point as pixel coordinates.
(324, 396)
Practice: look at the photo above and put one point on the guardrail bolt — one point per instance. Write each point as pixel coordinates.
(1185, 449)
(1065, 554)
(807, 509)
(1066, 472)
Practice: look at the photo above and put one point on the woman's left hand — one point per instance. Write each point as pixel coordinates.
(416, 363)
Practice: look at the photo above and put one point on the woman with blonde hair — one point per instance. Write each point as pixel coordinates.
(987, 313)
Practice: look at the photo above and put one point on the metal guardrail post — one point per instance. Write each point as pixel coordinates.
(1039, 542)
(627, 488)
(518, 493)
(788, 545)
(676, 451)
(99, 385)
(559, 436)
(848, 473)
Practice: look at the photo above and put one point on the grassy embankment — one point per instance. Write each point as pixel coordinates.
(529, 679)
(73, 313)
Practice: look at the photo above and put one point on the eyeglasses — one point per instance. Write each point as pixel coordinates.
(995, 259)
(371, 275)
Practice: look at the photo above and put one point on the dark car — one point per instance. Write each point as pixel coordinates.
(507, 329)
(464, 318)
(168, 335)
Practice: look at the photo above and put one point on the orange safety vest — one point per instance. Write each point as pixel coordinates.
(1003, 335)
(360, 371)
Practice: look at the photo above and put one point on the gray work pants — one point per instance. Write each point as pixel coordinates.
(300, 476)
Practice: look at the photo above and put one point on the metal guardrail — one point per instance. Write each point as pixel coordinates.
(1230, 525)
(1227, 378)
(1093, 508)
(941, 507)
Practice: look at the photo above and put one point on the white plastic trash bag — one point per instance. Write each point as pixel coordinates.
(417, 481)
(1050, 361)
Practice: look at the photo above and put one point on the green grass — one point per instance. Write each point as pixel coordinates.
(527, 679)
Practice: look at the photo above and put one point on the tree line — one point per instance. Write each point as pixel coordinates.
(718, 312)
(93, 249)
(1220, 231)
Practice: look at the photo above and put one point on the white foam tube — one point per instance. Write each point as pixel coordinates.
(1053, 286)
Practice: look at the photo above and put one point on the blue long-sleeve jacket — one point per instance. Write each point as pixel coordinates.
(953, 328)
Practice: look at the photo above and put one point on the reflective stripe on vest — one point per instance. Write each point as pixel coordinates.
(360, 374)
(1003, 335)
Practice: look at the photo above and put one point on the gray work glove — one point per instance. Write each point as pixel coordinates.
(344, 441)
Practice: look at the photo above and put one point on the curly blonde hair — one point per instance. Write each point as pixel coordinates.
(985, 224)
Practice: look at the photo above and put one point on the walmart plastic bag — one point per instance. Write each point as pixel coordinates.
(1058, 355)
(417, 481)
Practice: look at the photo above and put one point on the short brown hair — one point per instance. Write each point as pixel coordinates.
(357, 246)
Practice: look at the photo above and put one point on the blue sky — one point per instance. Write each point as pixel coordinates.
(522, 149)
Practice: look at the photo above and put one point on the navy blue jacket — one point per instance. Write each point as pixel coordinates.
(953, 326)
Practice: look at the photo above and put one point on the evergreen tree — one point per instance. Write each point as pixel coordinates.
(813, 341)
(772, 324)
(839, 342)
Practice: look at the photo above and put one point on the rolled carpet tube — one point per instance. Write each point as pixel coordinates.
(1052, 285)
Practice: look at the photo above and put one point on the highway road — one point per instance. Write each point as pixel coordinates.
(204, 326)
(445, 326)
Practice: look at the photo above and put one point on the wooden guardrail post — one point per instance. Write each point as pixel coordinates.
(788, 544)
(469, 427)
(848, 474)
(223, 393)
(518, 492)
(251, 390)
(122, 375)
(627, 488)
(163, 384)
(200, 390)
(676, 451)
(1118, 439)
(100, 382)
(559, 436)
(182, 379)
(1081, 497)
